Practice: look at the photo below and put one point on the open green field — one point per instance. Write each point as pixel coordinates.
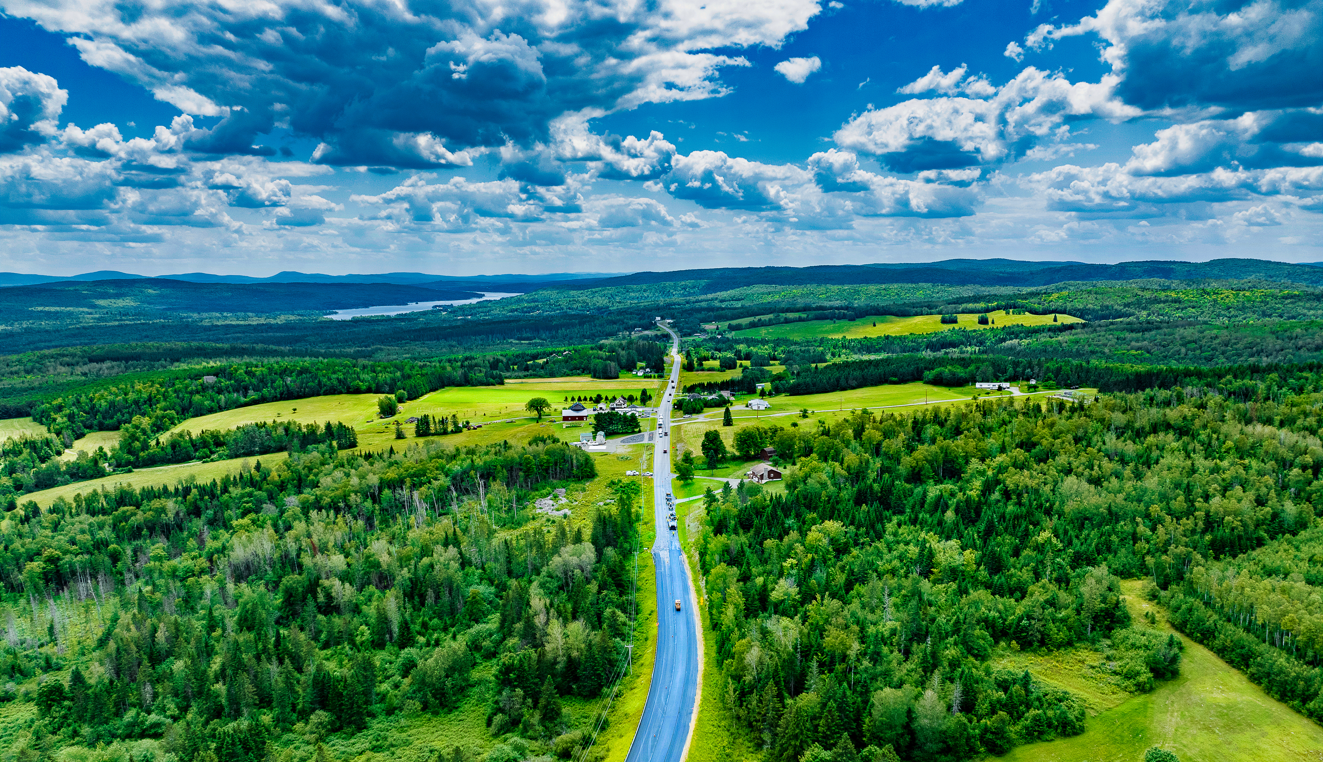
(478, 404)
(498, 409)
(90, 443)
(152, 477)
(785, 409)
(351, 409)
(889, 325)
(18, 427)
(713, 375)
(1209, 713)
(871, 397)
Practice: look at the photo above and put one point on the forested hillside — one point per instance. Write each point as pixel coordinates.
(860, 608)
(322, 592)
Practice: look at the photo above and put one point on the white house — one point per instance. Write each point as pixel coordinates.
(759, 404)
(999, 386)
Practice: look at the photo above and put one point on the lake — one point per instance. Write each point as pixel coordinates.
(400, 309)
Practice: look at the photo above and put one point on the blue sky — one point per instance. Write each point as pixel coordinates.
(558, 135)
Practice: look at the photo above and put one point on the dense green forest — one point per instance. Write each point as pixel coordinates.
(861, 607)
(321, 592)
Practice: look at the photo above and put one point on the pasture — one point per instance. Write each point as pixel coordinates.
(477, 404)
(889, 325)
(711, 374)
(12, 428)
(90, 443)
(159, 476)
(1209, 713)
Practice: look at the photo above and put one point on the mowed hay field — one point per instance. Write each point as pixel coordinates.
(89, 444)
(712, 374)
(1210, 713)
(888, 325)
(158, 476)
(12, 428)
(26, 427)
(476, 404)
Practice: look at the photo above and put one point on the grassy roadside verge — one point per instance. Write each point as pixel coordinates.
(624, 717)
(718, 735)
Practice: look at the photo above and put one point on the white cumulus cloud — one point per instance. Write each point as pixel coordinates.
(798, 69)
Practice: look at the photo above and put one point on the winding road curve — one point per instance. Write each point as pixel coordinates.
(666, 728)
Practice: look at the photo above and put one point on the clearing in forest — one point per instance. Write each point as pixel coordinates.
(1209, 713)
(889, 325)
(157, 476)
(11, 428)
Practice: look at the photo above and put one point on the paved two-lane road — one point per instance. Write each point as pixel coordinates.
(664, 730)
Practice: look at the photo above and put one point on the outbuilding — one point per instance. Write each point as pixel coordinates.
(575, 412)
(759, 404)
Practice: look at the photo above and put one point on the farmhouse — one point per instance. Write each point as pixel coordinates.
(619, 403)
(575, 412)
(759, 404)
(764, 473)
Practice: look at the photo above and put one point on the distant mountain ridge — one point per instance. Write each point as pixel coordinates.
(967, 272)
(424, 280)
(951, 272)
(165, 295)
